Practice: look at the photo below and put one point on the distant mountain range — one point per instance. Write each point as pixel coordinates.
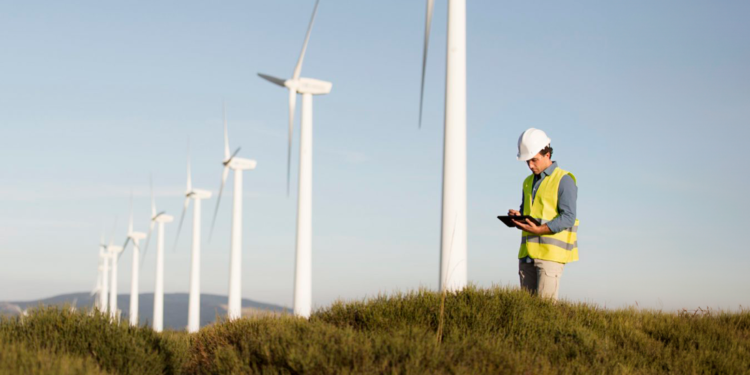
(175, 307)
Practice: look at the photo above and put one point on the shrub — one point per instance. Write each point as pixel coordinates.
(474, 331)
(483, 331)
(115, 347)
(18, 358)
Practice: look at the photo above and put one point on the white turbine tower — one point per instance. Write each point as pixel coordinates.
(307, 87)
(114, 255)
(160, 218)
(103, 275)
(238, 165)
(453, 252)
(134, 276)
(194, 302)
(100, 291)
(98, 286)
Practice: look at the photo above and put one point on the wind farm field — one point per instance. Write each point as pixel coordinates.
(490, 331)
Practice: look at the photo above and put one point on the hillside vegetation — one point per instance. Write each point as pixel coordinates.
(475, 331)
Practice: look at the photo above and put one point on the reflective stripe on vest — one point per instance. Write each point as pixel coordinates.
(549, 241)
(559, 247)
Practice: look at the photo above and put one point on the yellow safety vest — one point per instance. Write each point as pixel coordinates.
(559, 247)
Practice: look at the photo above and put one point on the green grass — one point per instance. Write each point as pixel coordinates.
(480, 331)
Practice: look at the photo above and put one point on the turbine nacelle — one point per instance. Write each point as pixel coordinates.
(240, 163)
(309, 86)
(163, 218)
(198, 194)
(113, 249)
(301, 85)
(137, 235)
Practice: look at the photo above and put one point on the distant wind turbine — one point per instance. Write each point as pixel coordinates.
(453, 252)
(114, 255)
(160, 218)
(307, 87)
(194, 302)
(98, 286)
(103, 275)
(134, 275)
(235, 263)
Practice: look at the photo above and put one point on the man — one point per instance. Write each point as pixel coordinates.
(549, 195)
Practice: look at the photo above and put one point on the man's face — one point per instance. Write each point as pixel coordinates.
(539, 163)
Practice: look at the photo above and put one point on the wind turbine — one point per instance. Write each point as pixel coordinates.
(103, 275)
(234, 311)
(98, 286)
(453, 246)
(114, 255)
(307, 87)
(134, 237)
(161, 218)
(194, 302)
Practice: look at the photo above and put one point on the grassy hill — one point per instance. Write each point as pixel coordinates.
(472, 332)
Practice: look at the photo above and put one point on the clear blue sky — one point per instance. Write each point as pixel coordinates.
(648, 103)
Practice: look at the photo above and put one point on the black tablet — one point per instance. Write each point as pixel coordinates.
(508, 220)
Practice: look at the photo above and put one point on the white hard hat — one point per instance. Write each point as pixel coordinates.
(531, 142)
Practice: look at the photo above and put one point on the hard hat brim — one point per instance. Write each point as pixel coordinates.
(524, 157)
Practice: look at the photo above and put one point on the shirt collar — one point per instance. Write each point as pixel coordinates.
(549, 169)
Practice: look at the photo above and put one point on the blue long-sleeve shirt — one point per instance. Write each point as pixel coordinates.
(567, 195)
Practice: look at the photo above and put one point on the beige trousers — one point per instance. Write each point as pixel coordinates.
(541, 277)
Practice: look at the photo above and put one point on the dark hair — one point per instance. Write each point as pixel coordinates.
(547, 150)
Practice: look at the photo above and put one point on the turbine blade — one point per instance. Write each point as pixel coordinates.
(428, 23)
(226, 135)
(135, 246)
(298, 68)
(274, 80)
(148, 240)
(224, 175)
(292, 104)
(237, 151)
(98, 285)
(182, 218)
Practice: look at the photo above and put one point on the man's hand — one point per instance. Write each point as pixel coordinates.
(532, 228)
(514, 213)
